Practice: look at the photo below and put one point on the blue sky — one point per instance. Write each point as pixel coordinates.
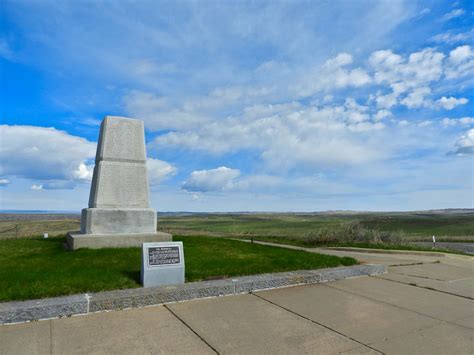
(256, 106)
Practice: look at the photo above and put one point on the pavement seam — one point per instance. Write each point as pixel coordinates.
(420, 277)
(464, 278)
(191, 329)
(416, 263)
(424, 287)
(395, 305)
(315, 322)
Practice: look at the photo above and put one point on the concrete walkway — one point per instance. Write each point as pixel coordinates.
(424, 305)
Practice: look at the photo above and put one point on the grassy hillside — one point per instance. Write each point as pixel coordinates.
(411, 226)
(28, 228)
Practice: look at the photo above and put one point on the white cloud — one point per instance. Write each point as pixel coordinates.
(40, 153)
(385, 101)
(150, 67)
(465, 143)
(458, 121)
(159, 113)
(210, 101)
(342, 59)
(425, 123)
(417, 98)
(4, 182)
(334, 74)
(159, 170)
(289, 135)
(451, 102)
(453, 14)
(460, 54)
(83, 172)
(219, 179)
(450, 38)
(56, 158)
(381, 114)
(409, 77)
(425, 11)
(460, 62)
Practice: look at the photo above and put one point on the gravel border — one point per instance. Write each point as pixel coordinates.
(24, 311)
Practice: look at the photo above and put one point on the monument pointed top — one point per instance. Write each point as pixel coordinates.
(109, 117)
(121, 139)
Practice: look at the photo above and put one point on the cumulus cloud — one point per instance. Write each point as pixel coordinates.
(83, 172)
(460, 62)
(44, 153)
(448, 103)
(417, 98)
(219, 179)
(409, 78)
(56, 158)
(381, 114)
(465, 144)
(289, 135)
(159, 170)
(333, 74)
(4, 182)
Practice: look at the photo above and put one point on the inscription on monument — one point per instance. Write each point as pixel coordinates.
(122, 184)
(159, 256)
(124, 141)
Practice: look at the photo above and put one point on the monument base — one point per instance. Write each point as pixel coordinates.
(118, 221)
(76, 240)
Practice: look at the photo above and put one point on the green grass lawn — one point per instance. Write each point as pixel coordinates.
(33, 268)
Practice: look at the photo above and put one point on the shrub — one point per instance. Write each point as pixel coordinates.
(351, 232)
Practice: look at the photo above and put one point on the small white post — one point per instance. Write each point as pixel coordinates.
(45, 236)
(434, 242)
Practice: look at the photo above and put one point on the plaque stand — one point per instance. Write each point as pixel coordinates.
(162, 264)
(119, 214)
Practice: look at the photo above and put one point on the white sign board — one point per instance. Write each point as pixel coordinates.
(162, 264)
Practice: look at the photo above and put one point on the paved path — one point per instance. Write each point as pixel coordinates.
(424, 305)
(464, 247)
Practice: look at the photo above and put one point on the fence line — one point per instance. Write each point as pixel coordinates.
(14, 228)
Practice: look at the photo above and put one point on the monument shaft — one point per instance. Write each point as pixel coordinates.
(119, 212)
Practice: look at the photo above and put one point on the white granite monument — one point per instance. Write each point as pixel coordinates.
(119, 213)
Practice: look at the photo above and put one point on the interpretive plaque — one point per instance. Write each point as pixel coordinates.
(159, 256)
(162, 264)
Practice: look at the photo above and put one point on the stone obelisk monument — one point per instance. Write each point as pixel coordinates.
(119, 213)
